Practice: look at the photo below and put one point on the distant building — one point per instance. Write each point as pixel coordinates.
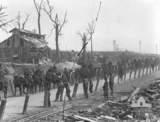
(23, 46)
(115, 46)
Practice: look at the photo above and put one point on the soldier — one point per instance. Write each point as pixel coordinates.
(98, 76)
(28, 79)
(76, 75)
(135, 68)
(111, 77)
(3, 82)
(143, 67)
(60, 87)
(91, 74)
(84, 76)
(124, 69)
(105, 86)
(130, 69)
(120, 71)
(66, 83)
(139, 66)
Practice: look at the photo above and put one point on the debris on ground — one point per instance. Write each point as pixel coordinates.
(141, 104)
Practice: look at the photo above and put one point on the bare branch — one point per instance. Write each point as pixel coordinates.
(91, 27)
(64, 21)
(25, 21)
(6, 23)
(3, 21)
(18, 20)
(36, 6)
(80, 34)
(4, 29)
(49, 11)
(40, 5)
(2, 15)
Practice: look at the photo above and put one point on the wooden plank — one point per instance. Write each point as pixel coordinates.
(84, 118)
(133, 94)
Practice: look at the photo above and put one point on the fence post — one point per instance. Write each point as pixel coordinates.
(2, 108)
(25, 103)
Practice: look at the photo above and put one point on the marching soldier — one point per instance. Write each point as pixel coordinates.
(84, 76)
(91, 73)
(77, 79)
(111, 77)
(130, 69)
(120, 71)
(3, 82)
(28, 79)
(66, 83)
(139, 66)
(105, 86)
(143, 67)
(60, 87)
(135, 68)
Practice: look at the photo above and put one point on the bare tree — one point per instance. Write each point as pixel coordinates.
(22, 23)
(3, 21)
(91, 28)
(38, 7)
(90, 31)
(56, 23)
(25, 21)
(18, 20)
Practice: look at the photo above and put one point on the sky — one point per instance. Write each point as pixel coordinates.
(126, 21)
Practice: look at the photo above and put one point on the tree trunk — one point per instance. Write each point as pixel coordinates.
(39, 24)
(57, 44)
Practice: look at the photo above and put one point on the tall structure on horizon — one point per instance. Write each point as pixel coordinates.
(140, 46)
(156, 48)
(115, 46)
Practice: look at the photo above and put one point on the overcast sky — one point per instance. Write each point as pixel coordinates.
(126, 21)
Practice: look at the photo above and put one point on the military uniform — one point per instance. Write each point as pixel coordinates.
(60, 87)
(3, 82)
(111, 77)
(120, 71)
(66, 84)
(76, 82)
(105, 85)
(28, 80)
(91, 74)
(84, 75)
(130, 64)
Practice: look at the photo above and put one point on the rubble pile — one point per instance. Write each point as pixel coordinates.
(152, 96)
(141, 104)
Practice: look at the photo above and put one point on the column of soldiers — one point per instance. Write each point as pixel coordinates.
(127, 70)
(136, 68)
(124, 70)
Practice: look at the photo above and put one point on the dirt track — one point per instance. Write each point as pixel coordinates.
(14, 105)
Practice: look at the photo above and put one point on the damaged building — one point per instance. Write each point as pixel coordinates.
(24, 46)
